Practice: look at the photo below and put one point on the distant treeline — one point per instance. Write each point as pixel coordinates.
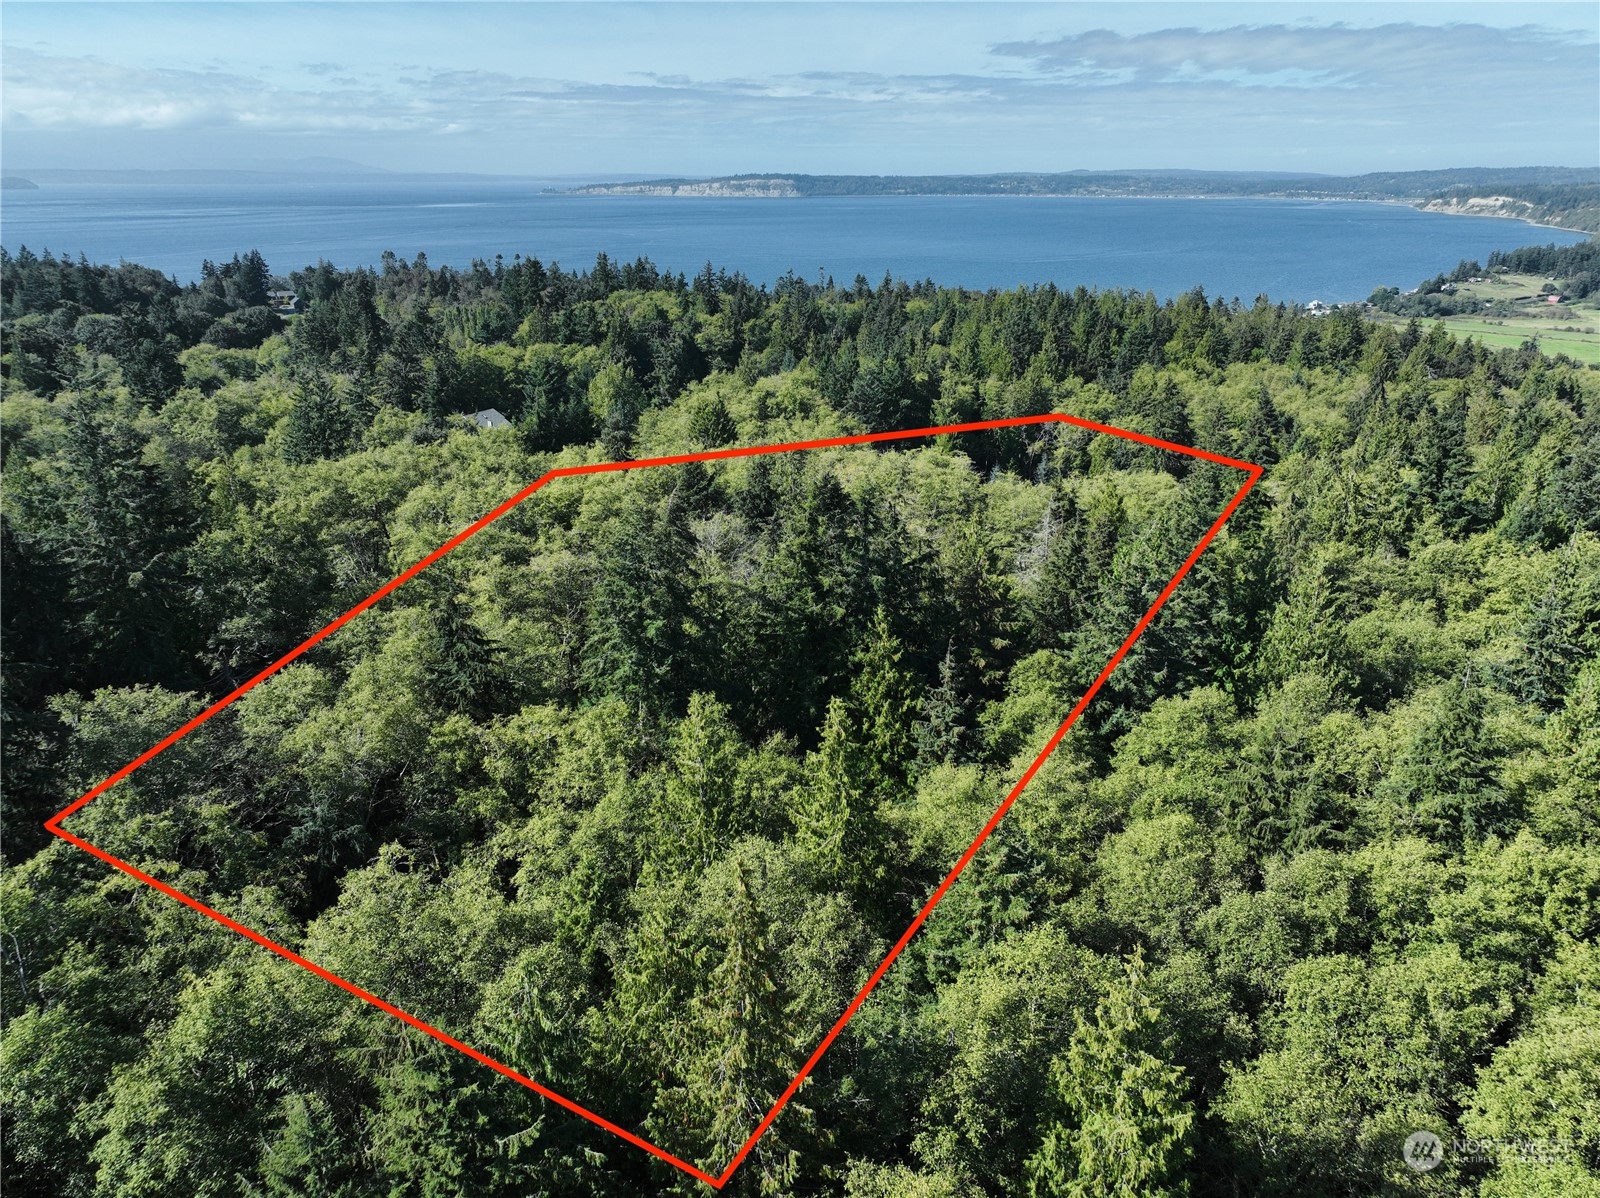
(136, 315)
(1563, 184)
(1565, 196)
(415, 335)
(1575, 267)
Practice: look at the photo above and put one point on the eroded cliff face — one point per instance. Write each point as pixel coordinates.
(1483, 206)
(1567, 213)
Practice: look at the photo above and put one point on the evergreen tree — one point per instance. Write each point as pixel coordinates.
(1446, 462)
(1261, 440)
(554, 412)
(710, 424)
(981, 598)
(1126, 1121)
(1561, 630)
(250, 277)
(1057, 602)
(884, 704)
(320, 424)
(885, 394)
(149, 359)
(837, 826)
(462, 667)
(941, 731)
(616, 392)
(119, 528)
(640, 649)
(745, 1052)
(1445, 782)
(702, 807)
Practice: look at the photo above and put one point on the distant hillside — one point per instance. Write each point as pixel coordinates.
(1570, 205)
(1551, 195)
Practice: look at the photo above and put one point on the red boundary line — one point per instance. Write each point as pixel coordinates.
(53, 824)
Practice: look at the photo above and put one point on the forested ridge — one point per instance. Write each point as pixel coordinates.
(635, 788)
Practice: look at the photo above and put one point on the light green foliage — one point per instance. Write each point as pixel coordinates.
(189, 1115)
(1357, 1058)
(741, 1044)
(883, 703)
(1566, 811)
(1159, 874)
(1538, 1102)
(867, 1180)
(704, 804)
(1127, 1121)
(837, 828)
(1179, 756)
(1012, 1006)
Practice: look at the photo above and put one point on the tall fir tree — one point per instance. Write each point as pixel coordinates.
(1125, 1120)
(840, 834)
(320, 424)
(742, 1049)
(884, 703)
(701, 808)
(640, 648)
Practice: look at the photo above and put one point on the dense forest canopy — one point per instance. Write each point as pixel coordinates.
(634, 789)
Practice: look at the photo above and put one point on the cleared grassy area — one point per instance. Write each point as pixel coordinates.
(1579, 345)
(1565, 328)
(1578, 336)
(1510, 288)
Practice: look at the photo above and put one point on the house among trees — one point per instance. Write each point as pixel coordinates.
(490, 418)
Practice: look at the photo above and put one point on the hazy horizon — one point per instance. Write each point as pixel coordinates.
(350, 168)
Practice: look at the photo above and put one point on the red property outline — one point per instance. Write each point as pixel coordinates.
(54, 823)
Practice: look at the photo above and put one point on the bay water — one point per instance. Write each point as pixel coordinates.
(1292, 250)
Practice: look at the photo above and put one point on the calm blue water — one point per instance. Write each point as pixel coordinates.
(1287, 249)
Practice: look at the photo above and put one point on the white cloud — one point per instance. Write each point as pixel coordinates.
(1332, 96)
(47, 92)
(1312, 56)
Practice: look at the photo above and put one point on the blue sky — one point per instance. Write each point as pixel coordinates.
(643, 89)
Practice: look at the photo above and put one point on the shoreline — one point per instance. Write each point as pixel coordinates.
(631, 191)
(1414, 205)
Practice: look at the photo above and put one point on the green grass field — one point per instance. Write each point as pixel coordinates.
(1505, 287)
(1582, 345)
(1571, 329)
